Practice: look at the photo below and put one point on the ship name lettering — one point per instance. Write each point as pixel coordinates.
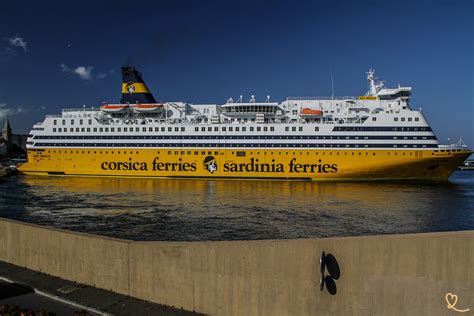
(312, 168)
(253, 166)
(173, 166)
(127, 165)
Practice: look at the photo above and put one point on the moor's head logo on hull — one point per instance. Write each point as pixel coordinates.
(210, 164)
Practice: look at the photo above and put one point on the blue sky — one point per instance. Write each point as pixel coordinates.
(56, 54)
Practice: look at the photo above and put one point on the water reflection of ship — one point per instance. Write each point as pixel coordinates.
(292, 195)
(161, 209)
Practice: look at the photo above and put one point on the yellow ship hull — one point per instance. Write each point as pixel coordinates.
(318, 165)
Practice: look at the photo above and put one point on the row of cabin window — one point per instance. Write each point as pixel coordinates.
(238, 153)
(203, 129)
(247, 145)
(381, 129)
(176, 129)
(374, 118)
(403, 119)
(36, 137)
(236, 128)
(112, 129)
(81, 122)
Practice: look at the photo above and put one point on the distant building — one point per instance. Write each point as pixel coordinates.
(11, 144)
(3, 147)
(20, 140)
(7, 133)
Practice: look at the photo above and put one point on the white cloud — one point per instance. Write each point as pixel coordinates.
(85, 73)
(64, 68)
(101, 75)
(17, 41)
(6, 111)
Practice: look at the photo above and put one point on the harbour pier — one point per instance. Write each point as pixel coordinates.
(410, 274)
(4, 171)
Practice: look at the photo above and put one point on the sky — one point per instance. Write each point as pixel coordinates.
(61, 54)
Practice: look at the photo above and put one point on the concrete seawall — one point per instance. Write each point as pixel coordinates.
(378, 275)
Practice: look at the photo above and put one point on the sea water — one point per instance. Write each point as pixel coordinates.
(179, 210)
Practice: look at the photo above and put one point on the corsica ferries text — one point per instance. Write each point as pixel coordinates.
(156, 165)
(211, 165)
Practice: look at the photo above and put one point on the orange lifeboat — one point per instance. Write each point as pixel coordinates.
(148, 107)
(115, 108)
(310, 112)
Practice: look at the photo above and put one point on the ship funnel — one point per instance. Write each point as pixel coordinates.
(134, 89)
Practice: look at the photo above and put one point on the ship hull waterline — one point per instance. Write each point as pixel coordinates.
(315, 165)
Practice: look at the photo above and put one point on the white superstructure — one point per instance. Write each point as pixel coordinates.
(380, 119)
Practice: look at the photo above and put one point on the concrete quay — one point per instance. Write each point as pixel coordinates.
(4, 171)
(412, 274)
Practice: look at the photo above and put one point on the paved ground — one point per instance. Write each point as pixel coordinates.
(22, 293)
(25, 298)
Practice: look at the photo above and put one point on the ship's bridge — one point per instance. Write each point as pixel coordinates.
(377, 90)
(249, 109)
(392, 94)
(246, 108)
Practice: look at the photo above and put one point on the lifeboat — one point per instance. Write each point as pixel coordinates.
(115, 108)
(310, 112)
(148, 107)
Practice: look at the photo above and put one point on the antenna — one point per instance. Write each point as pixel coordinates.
(461, 142)
(268, 98)
(332, 86)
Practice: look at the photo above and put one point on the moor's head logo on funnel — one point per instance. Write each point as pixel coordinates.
(210, 164)
(130, 87)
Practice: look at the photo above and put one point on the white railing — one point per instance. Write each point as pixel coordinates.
(81, 109)
(321, 98)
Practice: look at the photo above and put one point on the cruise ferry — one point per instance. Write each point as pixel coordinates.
(376, 136)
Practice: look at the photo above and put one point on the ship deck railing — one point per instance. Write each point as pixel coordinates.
(325, 98)
(83, 109)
